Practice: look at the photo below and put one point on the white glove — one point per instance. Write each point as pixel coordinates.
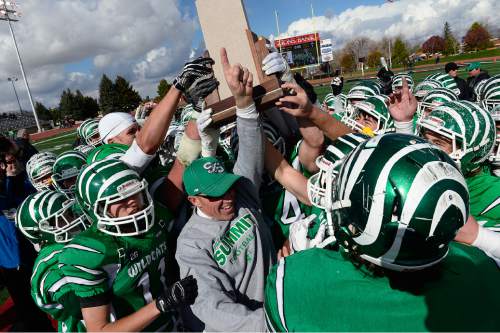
(209, 135)
(488, 241)
(298, 235)
(275, 63)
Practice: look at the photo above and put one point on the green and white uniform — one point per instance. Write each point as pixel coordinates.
(289, 209)
(127, 272)
(319, 290)
(484, 190)
(52, 293)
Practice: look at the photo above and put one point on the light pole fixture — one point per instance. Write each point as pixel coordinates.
(9, 13)
(12, 80)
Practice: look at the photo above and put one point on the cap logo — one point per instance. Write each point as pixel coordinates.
(213, 167)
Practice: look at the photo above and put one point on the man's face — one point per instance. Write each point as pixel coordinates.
(220, 208)
(474, 72)
(12, 165)
(437, 139)
(68, 183)
(453, 72)
(126, 136)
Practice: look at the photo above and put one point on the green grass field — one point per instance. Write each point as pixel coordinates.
(492, 68)
(57, 144)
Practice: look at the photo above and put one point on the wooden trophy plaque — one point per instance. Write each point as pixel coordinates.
(224, 24)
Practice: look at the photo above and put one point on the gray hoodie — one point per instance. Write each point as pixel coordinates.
(231, 259)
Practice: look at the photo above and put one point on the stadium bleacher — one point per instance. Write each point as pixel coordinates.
(15, 120)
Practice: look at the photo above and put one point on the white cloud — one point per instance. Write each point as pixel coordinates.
(415, 20)
(116, 35)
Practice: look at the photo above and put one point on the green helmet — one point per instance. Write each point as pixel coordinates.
(320, 185)
(495, 156)
(470, 129)
(82, 127)
(107, 151)
(433, 99)
(39, 170)
(376, 107)
(65, 169)
(48, 217)
(490, 93)
(425, 87)
(109, 181)
(397, 81)
(478, 91)
(84, 149)
(329, 102)
(399, 202)
(363, 90)
(446, 80)
(90, 133)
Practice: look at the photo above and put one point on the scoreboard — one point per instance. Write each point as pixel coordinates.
(301, 50)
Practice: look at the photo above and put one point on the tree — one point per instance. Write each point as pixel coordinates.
(108, 100)
(450, 43)
(347, 61)
(42, 112)
(77, 106)
(433, 44)
(359, 47)
(477, 38)
(373, 59)
(400, 52)
(128, 98)
(163, 88)
(90, 106)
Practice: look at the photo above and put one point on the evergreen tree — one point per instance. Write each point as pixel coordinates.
(108, 100)
(90, 106)
(66, 103)
(450, 43)
(400, 52)
(163, 88)
(42, 112)
(128, 98)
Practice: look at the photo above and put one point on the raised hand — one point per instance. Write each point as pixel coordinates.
(402, 104)
(297, 105)
(239, 80)
(196, 80)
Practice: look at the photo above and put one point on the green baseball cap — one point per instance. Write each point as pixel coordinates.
(207, 176)
(472, 66)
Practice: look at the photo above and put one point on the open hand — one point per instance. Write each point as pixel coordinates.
(402, 104)
(297, 105)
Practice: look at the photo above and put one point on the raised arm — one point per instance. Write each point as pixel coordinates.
(299, 106)
(250, 161)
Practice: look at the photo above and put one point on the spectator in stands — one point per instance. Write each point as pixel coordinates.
(451, 68)
(17, 255)
(26, 149)
(476, 74)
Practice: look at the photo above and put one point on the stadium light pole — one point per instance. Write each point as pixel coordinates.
(8, 8)
(12, 80)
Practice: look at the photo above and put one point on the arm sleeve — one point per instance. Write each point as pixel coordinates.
(217, 303)
(136, 159)
(250, 161)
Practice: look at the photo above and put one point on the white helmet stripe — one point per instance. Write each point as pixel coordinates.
(430, 174)
(112, 179)
(372, 228)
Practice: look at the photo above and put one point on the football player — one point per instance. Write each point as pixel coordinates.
(39, 170)
(396, 268)
(49, 220)
(119, 268)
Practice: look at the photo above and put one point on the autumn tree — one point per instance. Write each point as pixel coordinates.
(477, 38)
(433, 44)
(347, 61)
(373, 59)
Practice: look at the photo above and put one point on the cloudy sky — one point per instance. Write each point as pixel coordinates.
(71, 43)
